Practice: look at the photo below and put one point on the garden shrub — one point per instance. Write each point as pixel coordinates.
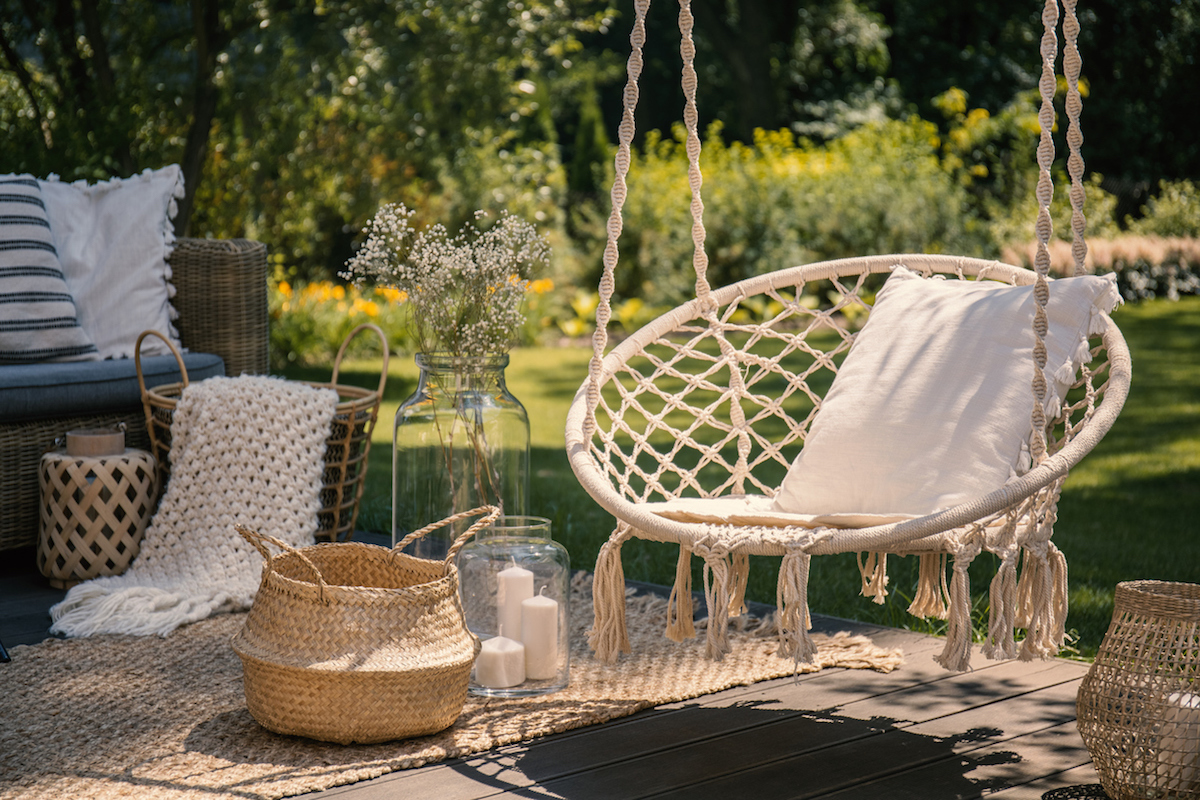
(1159, 255)
(1146, 266)
(310, 321)
(780, 202)
(1175, 211)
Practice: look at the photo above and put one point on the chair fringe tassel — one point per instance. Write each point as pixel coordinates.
(1042, 602)
(679, 608)
(874, 576)
(956, 656)
(609, 636)
(717, 596)
(740, 564)
(1001, 636)
(930, 600)
(1033, 598)
(791, 599)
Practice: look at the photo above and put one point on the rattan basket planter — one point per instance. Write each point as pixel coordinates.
(1138, 707)
(346, 449)
(355, 643)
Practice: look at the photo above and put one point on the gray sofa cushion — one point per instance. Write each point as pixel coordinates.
(41, 391)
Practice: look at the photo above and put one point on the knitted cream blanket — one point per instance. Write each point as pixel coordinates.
(246, 450)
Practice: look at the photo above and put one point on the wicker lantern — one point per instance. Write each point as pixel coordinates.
(1138, 708)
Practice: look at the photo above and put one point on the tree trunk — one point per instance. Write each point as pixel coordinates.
(747, 47)
(207, 28)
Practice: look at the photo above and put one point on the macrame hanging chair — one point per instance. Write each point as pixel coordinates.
(683, 430)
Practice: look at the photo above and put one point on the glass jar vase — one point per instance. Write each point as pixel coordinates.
(514, 580)
(460, 441)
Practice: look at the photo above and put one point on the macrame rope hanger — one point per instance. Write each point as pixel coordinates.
(1044, 226)
(1014, 520)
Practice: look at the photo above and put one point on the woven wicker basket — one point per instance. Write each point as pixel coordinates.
(385, 652)
(346, 449)
(1138, 707)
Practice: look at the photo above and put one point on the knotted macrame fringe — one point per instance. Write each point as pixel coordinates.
(739, 577)
(609, 637)
(956, 656)
(874, 576)
(679, 607)
(791, 598)
(1001, 640)
(717, 597)
(1042, 611)
(930, 600)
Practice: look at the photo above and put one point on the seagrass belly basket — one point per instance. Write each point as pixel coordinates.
(355, 643)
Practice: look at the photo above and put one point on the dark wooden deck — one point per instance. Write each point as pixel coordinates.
(1004, 730)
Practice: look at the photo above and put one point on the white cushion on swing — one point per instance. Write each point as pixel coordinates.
(932, 405)
(756, 510)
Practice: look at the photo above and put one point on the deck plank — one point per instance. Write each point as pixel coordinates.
(766, 735)
(1020, 763)
(25, 599)
(957, 753)
(1079, 779)
(783, 743)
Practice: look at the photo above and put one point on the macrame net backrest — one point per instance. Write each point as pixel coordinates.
(715, 397)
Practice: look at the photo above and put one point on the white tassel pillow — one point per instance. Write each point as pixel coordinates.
(932, 405)
(114, 239)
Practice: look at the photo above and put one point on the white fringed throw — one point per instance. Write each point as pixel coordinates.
(246, 450)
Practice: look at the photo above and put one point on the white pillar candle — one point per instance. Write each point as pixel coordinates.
(1179, 740)
(500, 663)
(539, 633)
(514, 586)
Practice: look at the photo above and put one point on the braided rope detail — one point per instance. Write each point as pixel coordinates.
(687, 49)
(1072, 64)
(637, 38)
(1044, 228)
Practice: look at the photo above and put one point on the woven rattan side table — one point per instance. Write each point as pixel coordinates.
(94, 511)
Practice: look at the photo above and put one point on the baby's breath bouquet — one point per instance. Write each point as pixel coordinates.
(461, 440)
(466, 290)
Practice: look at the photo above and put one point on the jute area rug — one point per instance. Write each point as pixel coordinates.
(125, 717)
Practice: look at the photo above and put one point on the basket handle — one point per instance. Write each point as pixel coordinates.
(137, 359)
(260, 540)
(337, 362)
(490, 514)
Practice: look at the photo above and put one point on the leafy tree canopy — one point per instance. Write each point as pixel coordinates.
(294, 119)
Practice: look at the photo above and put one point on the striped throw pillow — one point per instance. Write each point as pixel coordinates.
(38, 319)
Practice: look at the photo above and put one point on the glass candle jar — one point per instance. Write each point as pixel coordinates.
(515, 584)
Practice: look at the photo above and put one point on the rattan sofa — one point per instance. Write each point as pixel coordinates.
(221, 297)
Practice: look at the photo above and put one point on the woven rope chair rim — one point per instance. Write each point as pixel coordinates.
(914, 534)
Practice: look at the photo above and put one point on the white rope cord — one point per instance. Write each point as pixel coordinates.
(1040, 595)
(1044, 226)
(637, 38)
(687, 49)
(1072, 64)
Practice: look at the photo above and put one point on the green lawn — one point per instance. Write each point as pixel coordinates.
(1130, 510)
